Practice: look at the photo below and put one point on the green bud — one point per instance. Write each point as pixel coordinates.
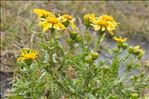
(131, 50)
(87, 23)
(115, 49)
(105, 69)
(129, 66)
(113, 97)
(134, 96)
(142, 74)
(94, 65)
(141, 52)
(70, 41)
(28, 62)
(125, 46)
(78, 38)
(73, 35)
(134, 77)
(65, 23)
(94, 55)
(136, 52)
(88, 59)
(147, 65)
(119, 44)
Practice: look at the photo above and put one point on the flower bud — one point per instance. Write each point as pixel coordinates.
(87, 23)
(141, 52)
(78, 38)
(119, 44)
(88, 59)
(70, 41)
(113, 97)
(28, 62)
(105, 69)
(147, 64)
(73, 35)
(142, 74)
(134, 96)
(94, 55)
(131, 50)
(115, 49)
(94, 65)
(65, 23)
(125, 46)
(134, 77)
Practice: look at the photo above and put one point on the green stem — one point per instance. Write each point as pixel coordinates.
(89, 76)
(99, 40)
(51, 49)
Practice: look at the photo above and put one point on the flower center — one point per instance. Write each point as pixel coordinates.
(102, 23)
(52, 20)
(68, 17)
(107, 18)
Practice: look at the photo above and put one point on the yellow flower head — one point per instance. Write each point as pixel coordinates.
(119, 39)
(52, 22)
(100, 24)
(107, 18)
(89, 17)
(138, 49)
(66, 19)
(105, 22)
(43, 14)
(27, 55)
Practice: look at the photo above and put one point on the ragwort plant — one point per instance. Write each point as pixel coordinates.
(72, 69)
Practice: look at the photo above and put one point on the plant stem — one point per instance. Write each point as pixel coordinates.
(99, 40)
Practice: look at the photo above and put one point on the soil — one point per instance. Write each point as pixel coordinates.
(5, 79)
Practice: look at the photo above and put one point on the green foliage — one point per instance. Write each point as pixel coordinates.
(77, 72)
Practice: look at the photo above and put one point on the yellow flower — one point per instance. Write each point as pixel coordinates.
(100, 24)
(27, 55)
(43, 14)
(107, 18)
(52, 22)
(105, 22)
(66, 19)
(119, 39)
(89, 17)
(138, 50)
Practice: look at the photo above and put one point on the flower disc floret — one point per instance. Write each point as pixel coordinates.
(107, 18)
(100, 25)
(52, 20)
(53, 23)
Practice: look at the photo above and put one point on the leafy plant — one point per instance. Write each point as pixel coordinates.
(71, 67)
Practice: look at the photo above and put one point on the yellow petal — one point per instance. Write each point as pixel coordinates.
(73, 25)
(96, 27)
(103, 29)
(56, 26)
(46, 26)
